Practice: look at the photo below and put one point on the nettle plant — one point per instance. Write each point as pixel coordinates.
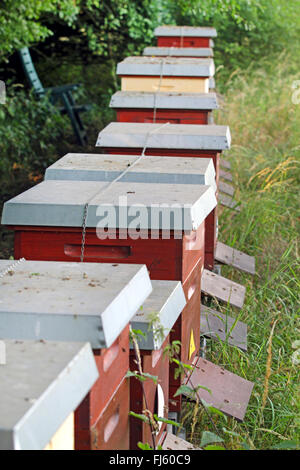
(172, 351)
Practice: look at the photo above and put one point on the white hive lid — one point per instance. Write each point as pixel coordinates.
(159, 314)
(57, 301)
(121, 206)
(106, 167)
(166, 67)
(179, 51)
(186, 31)
(42, 383)
(148, 100)
(168, 136)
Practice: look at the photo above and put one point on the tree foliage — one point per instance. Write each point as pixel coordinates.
(247, 29)
(21, 22)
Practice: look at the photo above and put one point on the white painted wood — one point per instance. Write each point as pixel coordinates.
(167, 67)
(169, 136)
(60, 301)
(185, 31)
(41, 385)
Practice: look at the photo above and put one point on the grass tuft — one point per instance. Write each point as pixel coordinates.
(265, 158)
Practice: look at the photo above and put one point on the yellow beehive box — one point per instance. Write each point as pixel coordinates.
(157, 74)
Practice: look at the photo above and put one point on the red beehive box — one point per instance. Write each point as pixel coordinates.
(171, 170)
(155, 320)
(175, 108)
(198, 141)
(92, 303)
(185, 36)
(167, 234)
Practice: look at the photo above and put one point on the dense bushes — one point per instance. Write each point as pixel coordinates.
(247, 30)
(21, 22)
(89, 37)
(29, 130)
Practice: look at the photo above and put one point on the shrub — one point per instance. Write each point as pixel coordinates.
(29, 132)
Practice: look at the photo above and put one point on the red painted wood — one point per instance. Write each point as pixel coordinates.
(111, 431)
(174, 116)
(112, 364)
(157, 364)
(178, 41)
(211, 236)
(187, 322)
(166, 259)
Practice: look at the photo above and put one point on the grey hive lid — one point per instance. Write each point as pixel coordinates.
(62, 204)
(168, 136)
(179, 51)
(136, 99)
(212, 83)
(167, 67)
(186, 31)
(159, 313)
(106, 167)
(59, 301)
(42, 383)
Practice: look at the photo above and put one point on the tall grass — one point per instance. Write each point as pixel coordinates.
(265, 127)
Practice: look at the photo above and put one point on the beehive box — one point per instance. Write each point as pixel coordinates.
(42, 383)
(160, 312)
(170, 170)
(197, 141)
(69, 302)
(167, 234)
(185, 36)
(156, 74)
(175, 108)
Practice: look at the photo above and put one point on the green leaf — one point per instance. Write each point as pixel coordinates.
(230, 433)
(214, 448)
(144, 446)
(184, 390)
(139, 333)
(167, 421)
(152, 377)
(139, 416)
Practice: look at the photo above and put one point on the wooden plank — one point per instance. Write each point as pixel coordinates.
(225, 175)
(225, 163)
(227, 255)
(173, 442)
(218, 326)
(229, 392)
(223, 289)
(226, 188)
(227, 201)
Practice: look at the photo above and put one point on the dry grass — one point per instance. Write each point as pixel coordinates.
(265, 158)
